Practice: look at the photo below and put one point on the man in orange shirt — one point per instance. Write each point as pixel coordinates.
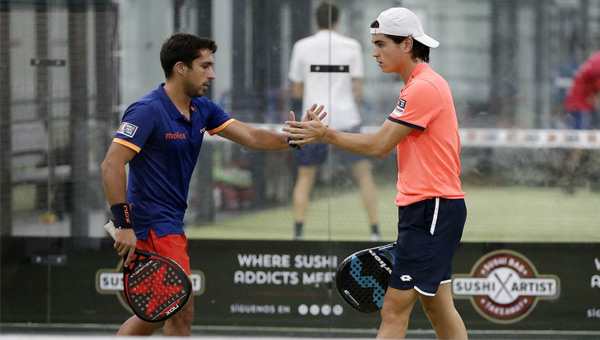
(431, 209)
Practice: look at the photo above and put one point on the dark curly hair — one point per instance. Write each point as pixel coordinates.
(183, 47)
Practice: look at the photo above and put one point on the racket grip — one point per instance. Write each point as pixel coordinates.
(110, 228)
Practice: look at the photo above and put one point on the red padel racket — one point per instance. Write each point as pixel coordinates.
(362, 278)
(156, 287)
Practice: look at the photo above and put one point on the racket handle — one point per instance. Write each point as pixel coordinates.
(110, 228)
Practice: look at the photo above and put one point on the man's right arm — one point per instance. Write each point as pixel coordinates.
(114, 179)
(378, 144)
(114, 176)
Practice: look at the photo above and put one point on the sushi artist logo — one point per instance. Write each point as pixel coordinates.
(504, 286)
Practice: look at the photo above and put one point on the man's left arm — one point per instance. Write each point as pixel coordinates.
(265, 140)
(253, 138)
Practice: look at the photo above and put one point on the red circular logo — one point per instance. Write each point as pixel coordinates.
(504, 286)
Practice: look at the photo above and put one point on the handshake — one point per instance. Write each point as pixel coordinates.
(309, 130)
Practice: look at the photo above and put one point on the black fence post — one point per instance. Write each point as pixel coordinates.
(78, 69)
(5, 124)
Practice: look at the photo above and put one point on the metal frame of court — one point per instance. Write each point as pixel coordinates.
(100, 332)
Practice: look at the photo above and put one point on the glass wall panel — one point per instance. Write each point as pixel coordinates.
(267, 229)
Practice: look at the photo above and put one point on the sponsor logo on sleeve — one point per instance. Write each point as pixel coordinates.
(127, 129)
(504, 286)
(399, 110)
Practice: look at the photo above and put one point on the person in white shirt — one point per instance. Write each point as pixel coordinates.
(332, 77)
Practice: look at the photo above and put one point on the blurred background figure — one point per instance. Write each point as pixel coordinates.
(582, 104)
(327, 69)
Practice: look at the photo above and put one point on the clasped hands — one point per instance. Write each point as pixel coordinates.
(310, 129)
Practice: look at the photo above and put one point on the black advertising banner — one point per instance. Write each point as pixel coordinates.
(275, 284)
(512, 286)
(528, 286)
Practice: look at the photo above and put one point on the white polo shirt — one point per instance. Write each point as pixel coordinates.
(326, 63)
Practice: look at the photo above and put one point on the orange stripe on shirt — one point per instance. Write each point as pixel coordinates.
(220, 128)
(127, 144)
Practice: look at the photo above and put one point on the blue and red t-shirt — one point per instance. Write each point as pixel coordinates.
(167, 146)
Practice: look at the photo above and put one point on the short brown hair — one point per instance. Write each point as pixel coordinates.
(419, 50)
(327, 15)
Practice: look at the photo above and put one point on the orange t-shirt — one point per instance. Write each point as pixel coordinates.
(428, 158)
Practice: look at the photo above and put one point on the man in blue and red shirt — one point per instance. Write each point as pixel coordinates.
(160, 137)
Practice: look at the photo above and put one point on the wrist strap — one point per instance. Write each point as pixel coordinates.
(121, 214)
(293, 146)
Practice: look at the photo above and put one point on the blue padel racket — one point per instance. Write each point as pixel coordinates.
(156, 287)
(362, 278)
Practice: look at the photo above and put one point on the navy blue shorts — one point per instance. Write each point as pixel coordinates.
(316, 154)
(429, 233)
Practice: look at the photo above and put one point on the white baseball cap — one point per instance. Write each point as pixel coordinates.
(400, 21)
